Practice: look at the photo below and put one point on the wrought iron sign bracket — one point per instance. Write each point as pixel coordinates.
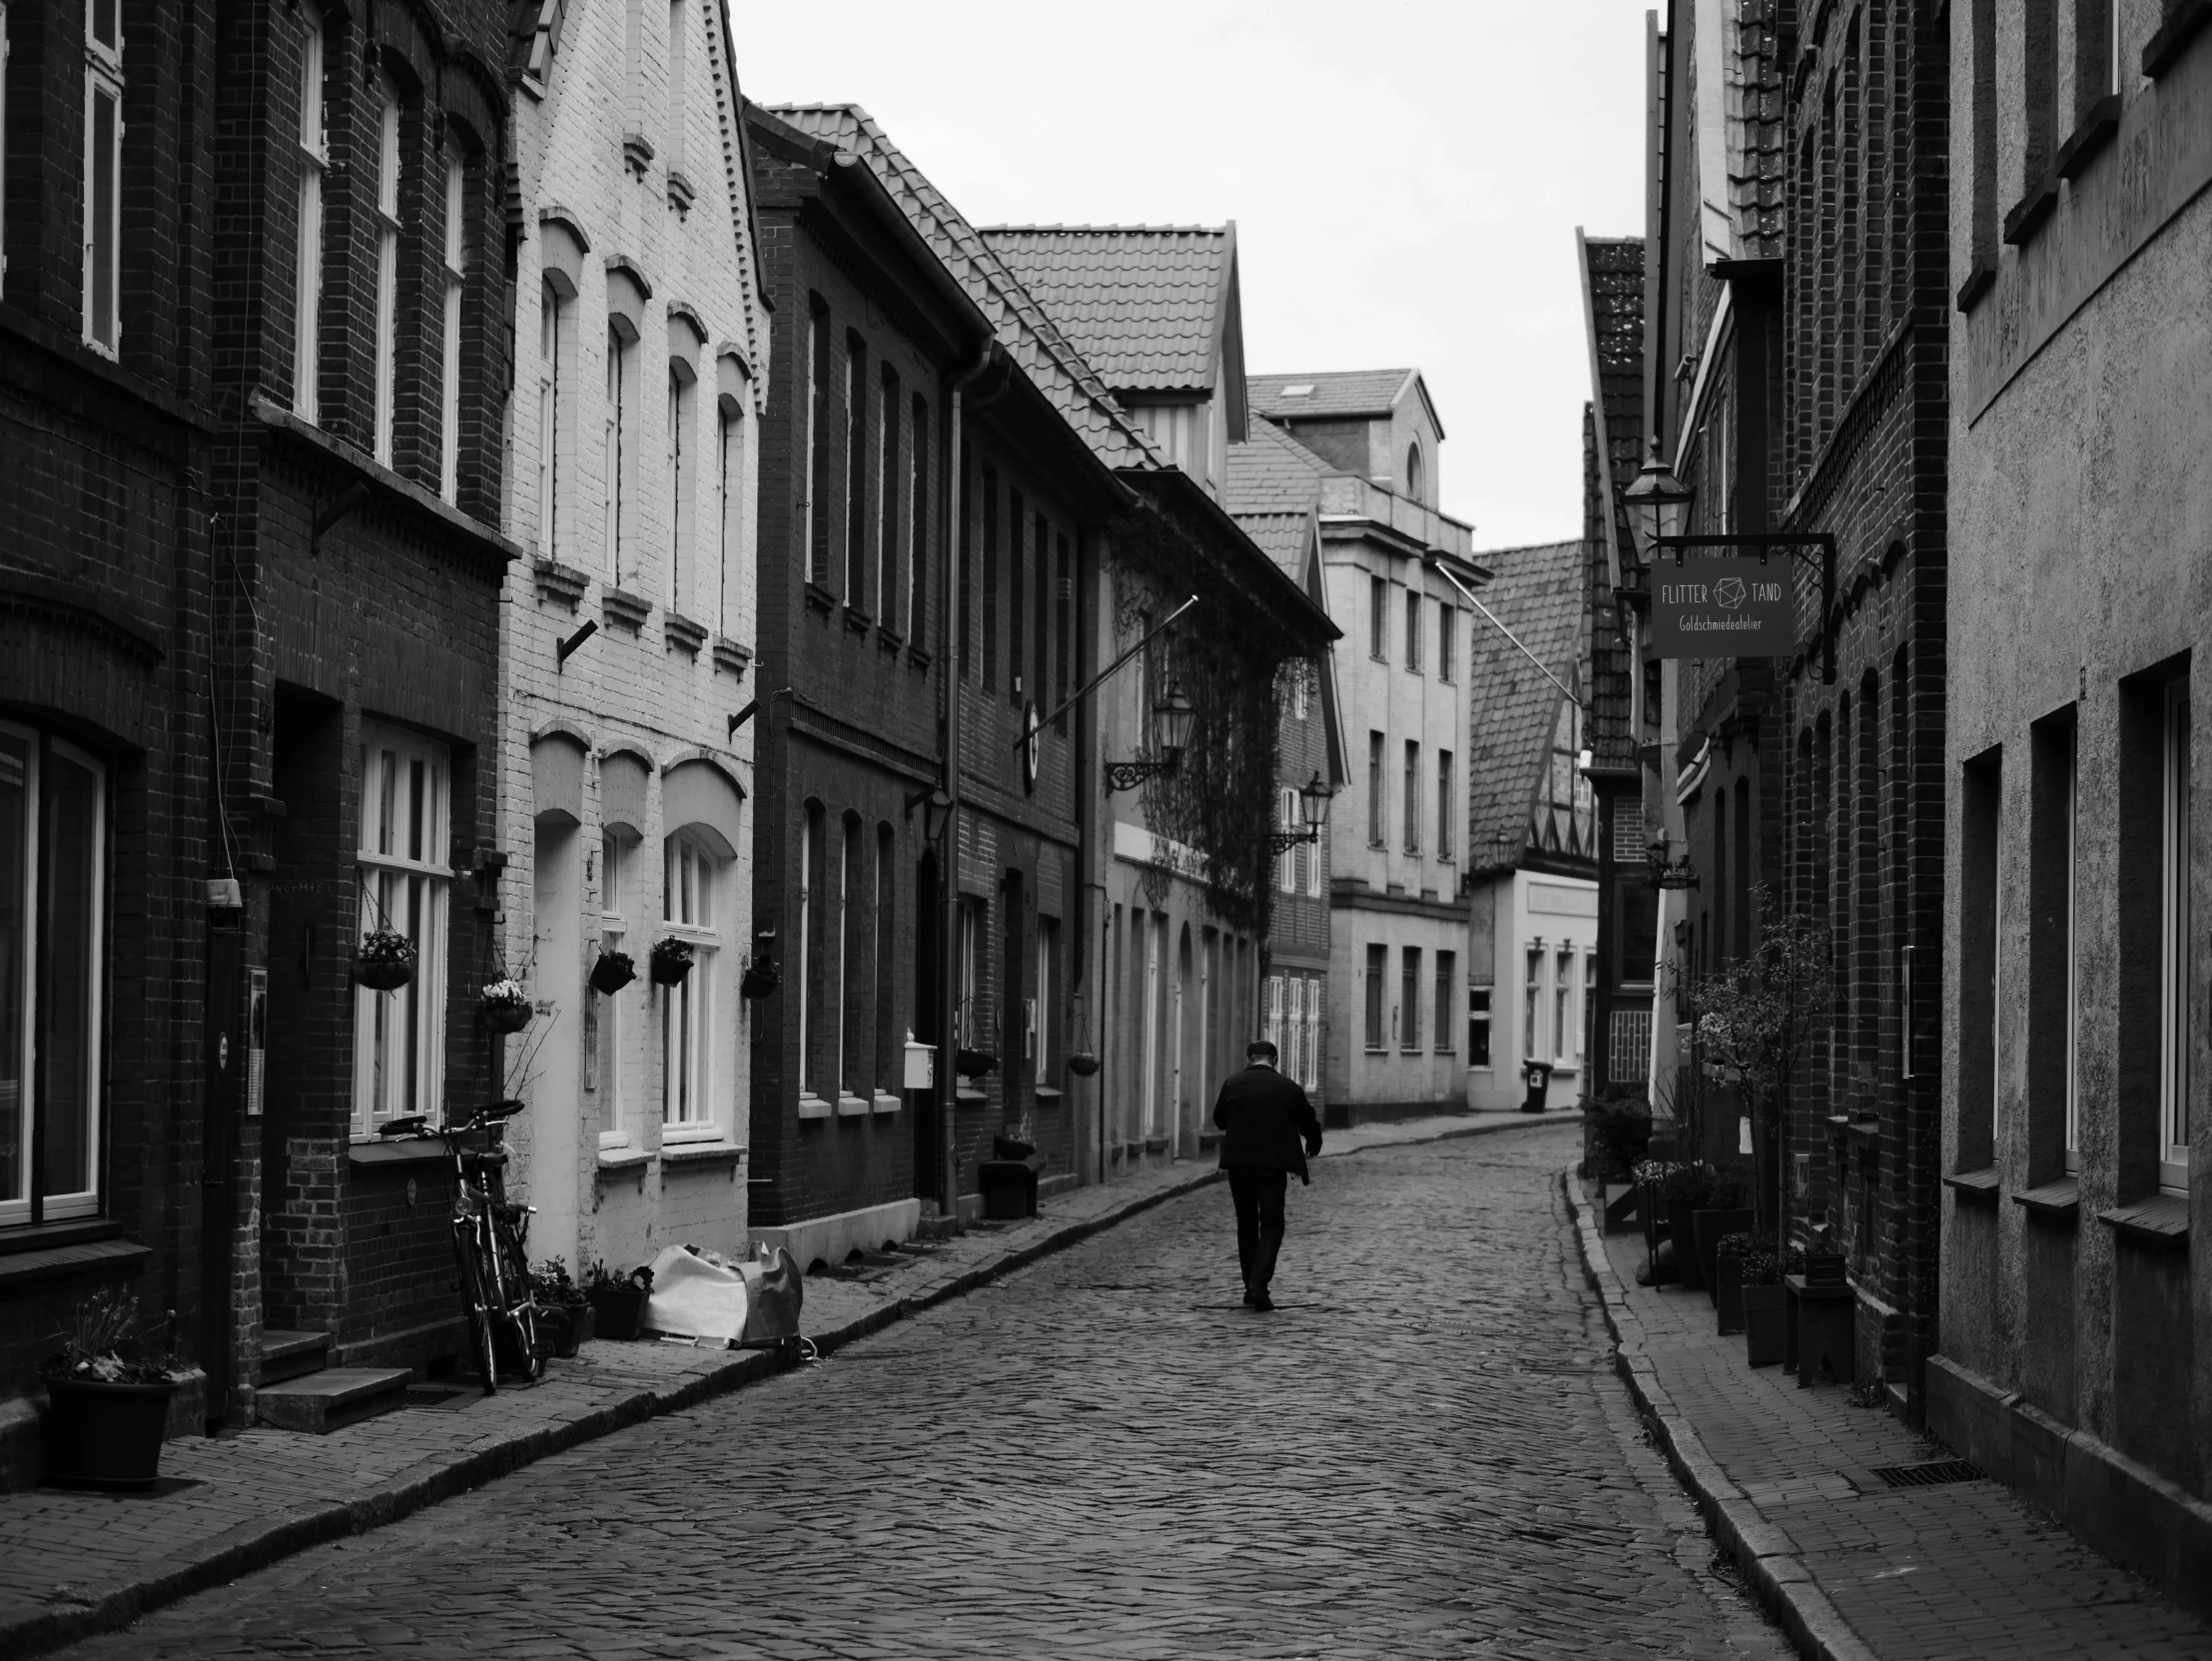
(1281, 842)
(1128, 775)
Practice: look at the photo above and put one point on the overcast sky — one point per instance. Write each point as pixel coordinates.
(1406, 178)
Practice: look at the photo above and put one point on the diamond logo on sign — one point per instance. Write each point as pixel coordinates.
(1731, 605)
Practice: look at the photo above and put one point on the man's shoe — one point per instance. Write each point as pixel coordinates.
(1251, 1299)
(1261, 1300)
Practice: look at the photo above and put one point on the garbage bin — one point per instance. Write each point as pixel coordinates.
(1539, 1077)
(1008, 1188)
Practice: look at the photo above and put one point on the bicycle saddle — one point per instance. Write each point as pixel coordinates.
(410, 1125)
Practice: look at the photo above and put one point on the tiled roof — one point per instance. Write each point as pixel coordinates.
(1337, 392)
(1538, 593)
(1613, 278)
(1284, 537)
(1272, 473)
(1037, 344)
(1145, 304)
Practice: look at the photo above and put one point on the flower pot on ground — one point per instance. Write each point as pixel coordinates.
(555, 1292)
(1709, 1227)
(384, 960)
(618, 1301)
(612, 972)
(583, 1323)
(1727, 1277)
(670, 960)
(1763, 1326)
(106, 1409)
(1683, 1191)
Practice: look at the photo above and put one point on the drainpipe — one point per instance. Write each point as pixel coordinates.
(947, 989)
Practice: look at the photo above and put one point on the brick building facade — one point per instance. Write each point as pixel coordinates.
(642, 357)
(2077, 1357)
(117, 977)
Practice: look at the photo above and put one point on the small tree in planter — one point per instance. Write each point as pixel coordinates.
(105, 1405)
(1754, 1019)
(1683, 1191)
(1765, 1339)
(384, 960)
(670, 960)
(507, 1006)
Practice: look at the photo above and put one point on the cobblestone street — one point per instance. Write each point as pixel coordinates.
(1422, 1453)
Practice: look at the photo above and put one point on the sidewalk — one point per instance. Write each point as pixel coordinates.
(72, 1564)
(1853, 1569)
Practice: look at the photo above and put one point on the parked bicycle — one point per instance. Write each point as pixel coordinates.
(490, 1231)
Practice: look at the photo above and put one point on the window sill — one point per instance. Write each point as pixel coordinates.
(2181, 26)
(2029, 214)
(820, 598)
(627, 609)
(850, 1107)
(1978, 282)
(624, 1159)
(733, 655)
(1974, 1185)
(814, 1107)
(884, 1104)
(2058, 1201)
(2094, 133)
(967, 1096)
(384, 1156)
(683, 634)
(99, 1256)
(561, 584)
(700, 1153)
(47, 1237)
(1155, 1145)
(1046, 1093)
(2162, 1219)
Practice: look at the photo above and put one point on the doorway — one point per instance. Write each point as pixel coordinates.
(928, 977)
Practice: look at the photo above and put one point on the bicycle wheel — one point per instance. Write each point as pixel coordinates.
(515, 1302)
(478, 1296)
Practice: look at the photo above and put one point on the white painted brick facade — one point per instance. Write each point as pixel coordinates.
(594, 1169)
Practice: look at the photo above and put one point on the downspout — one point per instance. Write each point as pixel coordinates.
(947, 990)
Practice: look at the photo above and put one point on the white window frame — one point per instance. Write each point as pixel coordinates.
(103, 325)
(1293, 1028)
(1151, 1026)
(386, 877)
(1414, 629)
(456, 256)
(676, 85)
(692, 871)
(1410, 1018)
(1272, 1026)
(1481, 1015)
(548, 419)
(314, 161)
(1532, 1004)
(1378, 621)
(809, 820)
(2175, 1035)
(730, 464)
(2073, 947)
(1447, 640)
(682, 404)
(387, 267)
(1286, 862)
(1046, 1028)
(1445, 791)
(615, 852)
(615, 442)
(1563, 1006)
(1444, 977)
(1589, 984)
(1413, 804)
(16, 1208)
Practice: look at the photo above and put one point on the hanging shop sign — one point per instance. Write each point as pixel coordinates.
(1725, 605)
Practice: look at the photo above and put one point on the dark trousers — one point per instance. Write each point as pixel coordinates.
(1258, 1191)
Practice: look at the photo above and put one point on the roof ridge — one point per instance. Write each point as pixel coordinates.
(1089, 229)
(882, 155)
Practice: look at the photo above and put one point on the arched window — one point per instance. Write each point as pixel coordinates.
(1416, 474)
(691, 869)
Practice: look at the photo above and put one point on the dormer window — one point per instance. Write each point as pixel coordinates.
(1416, 474)
(1303, 388)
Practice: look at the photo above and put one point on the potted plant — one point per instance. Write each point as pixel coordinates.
(106, 1411)
(1651, 1177)
(1082, 1062)
(759, 980)
(612, 972)
(1821, 1263)
(554, 1291)
(670, 960)
(973, 1063)
(507, 1006)
(1685, 1187)
(1763, 1313)
(617, 1299)
(384, 960)
(1728, 1276)
(1724, 1213)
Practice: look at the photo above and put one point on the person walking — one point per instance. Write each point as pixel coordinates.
(1264, 1118)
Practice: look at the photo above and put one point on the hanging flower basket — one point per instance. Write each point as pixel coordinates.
(670, 960)
(612, 973)
(973, 1063)
(1083, 1064)
(384, 960)
(506, 1007)
(759, 980)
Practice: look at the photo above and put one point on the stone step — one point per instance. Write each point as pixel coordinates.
(320, 1403)
(292, 1354)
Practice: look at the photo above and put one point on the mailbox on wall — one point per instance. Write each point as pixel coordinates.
(921, 1073)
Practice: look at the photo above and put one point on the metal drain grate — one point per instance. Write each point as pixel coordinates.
(1933, 1474)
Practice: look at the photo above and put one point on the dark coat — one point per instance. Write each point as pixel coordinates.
(1263, 1117)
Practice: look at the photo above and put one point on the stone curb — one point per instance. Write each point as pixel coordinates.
(1767, 1557)
(254, 1546)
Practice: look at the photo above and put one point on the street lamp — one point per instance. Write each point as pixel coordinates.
(1173, 717)
(1658, 503)
(1313, 805)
